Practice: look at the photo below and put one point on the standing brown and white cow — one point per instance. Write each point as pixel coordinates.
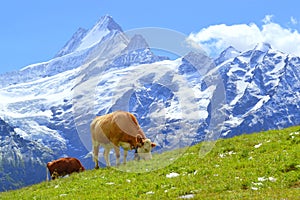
(64, 166)
(119, 129)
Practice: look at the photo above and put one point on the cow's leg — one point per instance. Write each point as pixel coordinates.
(126, 146)
(106, 156)
(125, 156)
(136, 155)
(117, 152)
(95, 155)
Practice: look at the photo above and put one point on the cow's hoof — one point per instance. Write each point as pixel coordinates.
(97, 167)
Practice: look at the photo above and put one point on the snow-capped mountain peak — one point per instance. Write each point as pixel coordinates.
(71, 56)
(105, 26)
(73, 43)
(263, 47)
(227, 54)
(107, 22)
(84, 39)
(137, 42)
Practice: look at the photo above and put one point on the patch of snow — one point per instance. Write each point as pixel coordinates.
(260, 103)
(93, 37)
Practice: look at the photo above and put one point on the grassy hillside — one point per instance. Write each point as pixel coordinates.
(257, 166)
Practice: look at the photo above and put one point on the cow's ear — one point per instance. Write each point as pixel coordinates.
(139, 139)
(153, 144)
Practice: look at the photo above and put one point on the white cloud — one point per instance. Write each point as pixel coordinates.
(294, 21)
(216, 38)
(267, 19)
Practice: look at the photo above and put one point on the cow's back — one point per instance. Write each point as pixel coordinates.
(126, 126)
(101, 128)
(74, 165)
(115, 127)
(65, 166)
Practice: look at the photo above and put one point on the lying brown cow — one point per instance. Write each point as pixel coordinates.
(119, 129)
(64, 166)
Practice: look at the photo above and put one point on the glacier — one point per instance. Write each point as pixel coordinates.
(46, 108)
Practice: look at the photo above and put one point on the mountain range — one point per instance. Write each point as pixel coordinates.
(46, 108)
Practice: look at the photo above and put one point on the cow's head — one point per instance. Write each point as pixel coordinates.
(144, 148)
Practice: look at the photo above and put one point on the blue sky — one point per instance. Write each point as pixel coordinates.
(34, 31)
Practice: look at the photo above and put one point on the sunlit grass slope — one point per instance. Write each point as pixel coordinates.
(262, 165)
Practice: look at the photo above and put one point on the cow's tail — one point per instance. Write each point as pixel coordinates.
(47, 174)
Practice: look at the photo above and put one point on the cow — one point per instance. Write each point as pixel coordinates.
(64, 166)
(115, 130)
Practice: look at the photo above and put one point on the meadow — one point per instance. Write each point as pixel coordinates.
(263, 165)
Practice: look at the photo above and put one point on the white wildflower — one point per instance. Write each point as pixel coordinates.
(272, 179)
(262, 179)
(188, 196)
(254, 188)
(294, 133)
(150, 192)
(257, 184)
(172, 175)
(257, 146)
(222, 155)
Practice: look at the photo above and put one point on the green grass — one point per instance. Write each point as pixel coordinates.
(264, 165)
